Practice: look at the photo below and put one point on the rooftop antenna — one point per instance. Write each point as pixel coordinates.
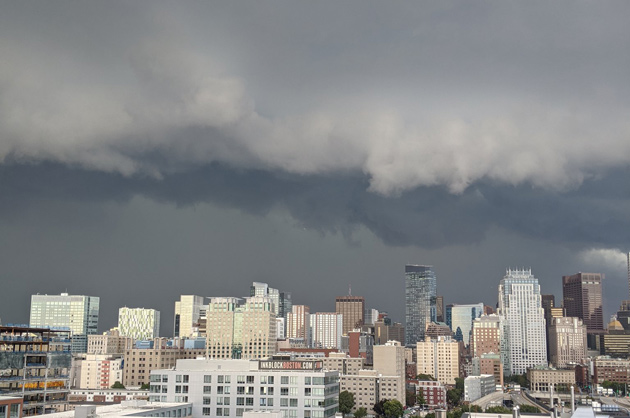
(628, 257)
(350, 286)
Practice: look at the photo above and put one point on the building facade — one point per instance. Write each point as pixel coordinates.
(523, 339)
(438, 358)
(433, 392)
(77, 313)
(326, 329)
(241, 330)
(99, 371)
(476, 387)
(188, 311)
(582, 298)
(389, 360)
(298, 324)
(139, 323)
(110, 342)
(420, 301)
(567, 341)
(229, 388)
(486, 335)
(541, 379)
(460, 319)
(352, 309)
(139, 362)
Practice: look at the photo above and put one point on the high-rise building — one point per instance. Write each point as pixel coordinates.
(188, 311)
(460, 319)
(523, 340)
(298, 323)
(389, 360)
(241, 330)
(582, 298)
(420, 301)
(567, 341)
(281, 300)
(486, 335)
(76, 313)
(438, 358)
(139, 323)
(326, 329)
(353, 310)
(439, 309)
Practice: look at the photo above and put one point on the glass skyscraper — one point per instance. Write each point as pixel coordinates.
(76, 313)
(460, 318)
(523, 339)
(420, 301)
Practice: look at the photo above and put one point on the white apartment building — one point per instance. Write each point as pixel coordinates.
(99, 371)
(188, 311)
(139, 323)
(228, 388)
(369, 387)
(523, 339)
(326, 329)
(476, 387)
(438, 358)
(238, 330)
(297, 326)
(343, 363)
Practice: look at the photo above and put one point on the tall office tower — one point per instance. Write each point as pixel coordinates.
(439, 309)
(326, 329)
(420, 301)
(353, 309)
(438, 358)
(298, 323)
(460, 319)
(187, 314)
(389, 360)
(486, 335)
(281, 300)
(77, 313)
(371, 316)
(582, 297)
(523, 340)
(241, 330)
(139, 323)
(567, 341)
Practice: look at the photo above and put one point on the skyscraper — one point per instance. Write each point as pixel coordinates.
(76, 313)
(326, 329)
(353, 310)
(281, 300)
(139, 323)
(523, 341)
(420, 301)
(187, 313)
(298, 323)
(582, 297)
(460, 319)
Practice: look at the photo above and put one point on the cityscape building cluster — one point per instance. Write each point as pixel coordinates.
(229, 356)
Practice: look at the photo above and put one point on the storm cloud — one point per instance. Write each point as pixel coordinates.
(437, 128)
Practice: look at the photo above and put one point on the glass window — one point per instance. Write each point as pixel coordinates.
(206, 400)
(284, 380)
(293, 403)
(178, 378)
(207, 379)
(185, 378)
(206, 411)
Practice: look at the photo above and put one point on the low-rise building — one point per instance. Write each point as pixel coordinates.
(98, 371)
(370, 387)
(476, 387)
(433, 392)
(106, 395)
(140, 361)
(110, 342)
(128, 409)
(611, 369)
(343, 363)
(11, 407)
(542, 378)
(230, 387)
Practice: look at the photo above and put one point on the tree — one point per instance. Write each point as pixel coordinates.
(430, 415)
(379, 407)
(420, 398)
(453, 396)
(360, 413)
(459, 384)
(498, 410)
(411, 398)
(118, 385)
(346, 402)
(529, 409)
(145, 386)
(423, 376)
(393, 409)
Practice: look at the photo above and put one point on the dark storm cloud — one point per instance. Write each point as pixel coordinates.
(441, 125)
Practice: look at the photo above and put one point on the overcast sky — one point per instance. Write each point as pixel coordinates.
(152, 149)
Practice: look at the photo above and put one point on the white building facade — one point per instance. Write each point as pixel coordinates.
(326, 329)
(139, 323)
(228, 388)
(523, 339)
(476, 387)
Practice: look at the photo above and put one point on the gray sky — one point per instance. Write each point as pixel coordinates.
(153, 149)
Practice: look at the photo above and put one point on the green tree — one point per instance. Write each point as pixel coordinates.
(459, 384)
(454, 396)
(430, 415)
(346, 402)
(118, 385)
(393, 409)
(420, 398)
(411, 398)
(360, 413)
(379, 407)
(145, 386)
(423, 376)
(498, 410)
(529, 409)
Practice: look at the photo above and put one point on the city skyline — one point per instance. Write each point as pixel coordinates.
(309, 146)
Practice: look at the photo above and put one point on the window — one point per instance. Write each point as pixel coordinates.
(240, 379)
(178, 378)
(207, 389)
(206, 400)
(284, 380)
(207, 379)
(249, 401)
(206, 411)
(250, 379)
(240, 401)
(269, 401)
(185, 378)
(178, 389)
(284, 391)
(219, 379)
(293, 403)
(284, 402)
(307, 380)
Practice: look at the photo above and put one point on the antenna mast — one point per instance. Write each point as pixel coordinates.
(628, 257)
(350, 285)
